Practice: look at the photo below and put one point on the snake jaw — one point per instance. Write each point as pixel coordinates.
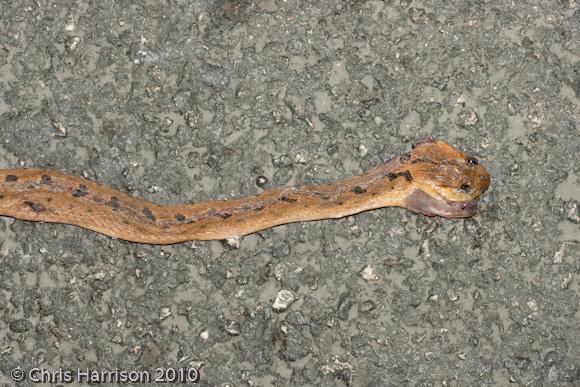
(422, 203)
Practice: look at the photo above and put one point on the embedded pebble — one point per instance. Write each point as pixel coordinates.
(280, 270)
(368, 274)
(362, 150)
(354, 231)
(164, 313)
(452, 295)
(566, 250)
(366, 306)
(261, 181)
(281, 250)
(338, 367)
(233, 327)
(282, 161)
(572, 213)
(98, 276)
(296, 344)
(283, 300)
(300, 159)
(469, 118)
(533, 305)
(70, 23)
(20, 325)
(345, 302)
(72, 43)
(233, 242)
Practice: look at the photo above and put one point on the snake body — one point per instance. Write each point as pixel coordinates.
(432, 179)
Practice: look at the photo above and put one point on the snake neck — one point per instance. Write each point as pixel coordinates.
(51, 196)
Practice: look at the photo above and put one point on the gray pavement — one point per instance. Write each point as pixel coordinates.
(177, 101)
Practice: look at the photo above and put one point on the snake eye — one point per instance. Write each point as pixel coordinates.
(472, 161)
(465, 187)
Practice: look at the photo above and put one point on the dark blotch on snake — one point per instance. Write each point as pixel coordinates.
(114, 203)
(80, 191)
(148, 214)
(358, 190)
(36, 207)
(407, 175)
(10, 178)
(404, 158)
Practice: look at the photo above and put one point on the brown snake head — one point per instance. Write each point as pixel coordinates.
(446, 182)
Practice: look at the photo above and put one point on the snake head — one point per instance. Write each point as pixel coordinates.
(446, 182)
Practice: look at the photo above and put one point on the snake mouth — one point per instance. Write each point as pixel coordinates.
(419, 202)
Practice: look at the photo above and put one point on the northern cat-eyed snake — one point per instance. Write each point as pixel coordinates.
(433, 179)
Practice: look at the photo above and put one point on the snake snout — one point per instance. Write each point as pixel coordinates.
(484, 180)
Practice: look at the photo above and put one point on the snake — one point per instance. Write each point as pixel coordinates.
(433, 179)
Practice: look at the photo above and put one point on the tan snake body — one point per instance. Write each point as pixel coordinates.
(434, 178)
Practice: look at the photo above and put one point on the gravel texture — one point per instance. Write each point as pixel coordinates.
(176, 101)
